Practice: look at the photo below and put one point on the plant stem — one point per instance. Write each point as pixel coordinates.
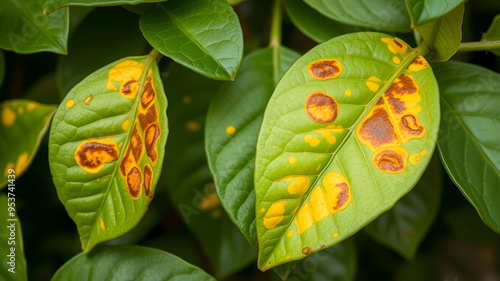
(275, 38)
(479, 46)
(156, 55)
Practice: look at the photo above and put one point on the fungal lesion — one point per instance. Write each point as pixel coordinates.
(337, 190)
(93, 155)
(391, 160)
(396, 45)
(275, 214)
(128, 73)
(325, 69)
(321, 108)
(418, 64)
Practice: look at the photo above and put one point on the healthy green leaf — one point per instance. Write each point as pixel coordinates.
(406, 224)
(13, 262)
(106, 145)
(23, 125)
(233, 124)
(2, 67)
(346, 133)
(469, 145)
(52, 5)
(188, 179)
(423, 11)
(493, 33)
(128, 263)
(388, 15)
(443, 35)
(25, 29)
(312, 23)
(95, 43)
(203, 35)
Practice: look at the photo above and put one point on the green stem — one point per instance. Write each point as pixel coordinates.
(275, 39)
(479, 46)
(423, 50)
(155, 55)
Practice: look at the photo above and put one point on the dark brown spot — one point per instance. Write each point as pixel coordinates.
(307, 251)
(136, 144)
(134, 179)
(151, 116)
(325, 69)
(126, 162)
(390, 160)
(410, 123)
(148, 94)
(92, 154)
(398, 44)
(343, 196)
(377, 129)
(148, 178)
(403, 85)
(323, 246)
(126, 87)
(321, 108)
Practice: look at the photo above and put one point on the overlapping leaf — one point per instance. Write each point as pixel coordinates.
(203, 35)
(469, 145)
(52, 5)
(23, 124)
(406, 224)
(493, 33)
(106, 148)
(128, 263)
(423, 11)
(347, 132)
(25, 29)
(388, 15)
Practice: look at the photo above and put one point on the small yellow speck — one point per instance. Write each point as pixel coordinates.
(8, 116)
(292, 160)
(9, 166)
(120, 144)
(423, 153)
(317, 168)
(263, 210)
(230, 130)
(193, 126)
(414, 158)
(118, 213)
(288, 256)
(150, 71)
(335, 235)
(31, 106)
(70, 103)
(114, 198)
(22, 162)
(125, 125)
(290, 233)
(20, 110)
(88, 99)
(186, 100)
(396, 60)
(348, 93)
(101, 224)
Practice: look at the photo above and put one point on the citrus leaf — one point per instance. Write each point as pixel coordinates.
(203, 35)
(27, 30)
(443, 35)
(188, 179)
(344, 136)
(24, 123)
(469, 146)
(406, 224)
(233, 124)
(388, 15)
(493, 33)
(106, 146)
(128, 263)
(13, 262)
(312, 23)
(52, 5)
(423, 11)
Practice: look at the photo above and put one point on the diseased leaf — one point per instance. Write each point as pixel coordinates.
(25, 29)
(52, 5)
(469, 143)
(188, 179)
(106, 146)
(388, 15)
(423, 11)
(312, 23)
(443, 35)
(203, 35)
(493, 33)
(128, 263)
(23, 125)
(347, 132)
(12, 263)
(403, 227)
(233, 124)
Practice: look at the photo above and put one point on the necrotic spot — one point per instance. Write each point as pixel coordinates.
(411, 124)
(152, 134)
(307, 251)
(325, 69)
(148, 178)
(321, 108)
(134, 179)
(148, 94)
(91, 156)
(390, 160)
(149, 117)
(136, 144)
(377, 130)
(343, 196)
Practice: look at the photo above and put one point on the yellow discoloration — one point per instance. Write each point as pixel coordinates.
(317, 168)
(423, 153)
(396, 60)
(304, 219)
(262, 210)
(337, 190)
(348, 93)
(371, 83)
(22, 162)
(327, 134)
(292, 160)
(390, 159)
(8, 116)
(31, 106)
(193, 126)
(120, 144)
(186, 100)
(311, 140)
(414, 158)
(335, 235)
(88, 99)
(230, 130)
(93, 155)
(125, 125)
(101, 224)
(275, 214)
(290, 233)
(297, 185)
(70, 103)
(209, 202)
(127, 73)
(150, 71)
(396, 45)
(321, 108)
(20, 110)
(318, 204)
(288, 256)
(325, 69)
(7, 168)
(418, 64)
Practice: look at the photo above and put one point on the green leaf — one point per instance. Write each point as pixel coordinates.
(188, 179)
(106, 145)
(403, 227)
(94, 43)
(423, 11)
(312, 23)
(128, 263)
(27, 30)
(442, 36)
(52, 5)
(23, 125)
(346, 133)
(468, 145)
(388, 15)
(233, 124)
(13, 262)
(335, 263)
(203, 35)
(493, 33)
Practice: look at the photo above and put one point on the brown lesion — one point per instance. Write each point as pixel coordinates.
(148, 93)
(149, 117)
(307, 251)
(342, 196)
(148, 178)
(411, 125)
(134, 180)
(418, 64)
(321, 108)
(403, 85)
(325, 69)
(391, 160)
(92, 156)
(377, 130)
(152, 134)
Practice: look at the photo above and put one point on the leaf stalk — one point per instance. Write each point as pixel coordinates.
(479, 46)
